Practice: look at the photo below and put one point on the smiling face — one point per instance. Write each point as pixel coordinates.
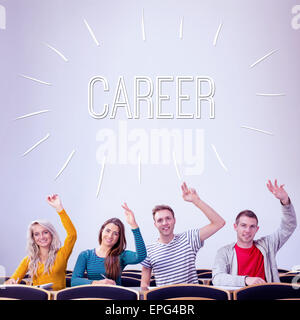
(110, 235)
(246, 229)
(41, 236)
(164, 221)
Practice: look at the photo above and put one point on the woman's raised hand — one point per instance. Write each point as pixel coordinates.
(55, 202)
(129, 216)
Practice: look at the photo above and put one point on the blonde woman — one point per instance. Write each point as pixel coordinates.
(46, 261)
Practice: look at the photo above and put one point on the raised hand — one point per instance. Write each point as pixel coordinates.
(55, 202)
(278, 192)
(216, 221)
(189, 194)
(129, 216)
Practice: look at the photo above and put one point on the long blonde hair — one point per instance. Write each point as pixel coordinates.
(33, 249)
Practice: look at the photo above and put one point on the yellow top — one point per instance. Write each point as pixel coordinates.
(56, 274)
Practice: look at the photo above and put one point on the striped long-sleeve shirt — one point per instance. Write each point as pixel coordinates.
(89, 262)
(174, 262)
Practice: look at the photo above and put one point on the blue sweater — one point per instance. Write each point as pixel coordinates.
(94, 266)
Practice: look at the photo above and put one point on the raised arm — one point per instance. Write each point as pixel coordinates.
(216, 221)
(55, 202)
(131, 257)
(288, 222)
(130, 218)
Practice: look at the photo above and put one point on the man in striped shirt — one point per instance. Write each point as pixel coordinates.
(172, 257)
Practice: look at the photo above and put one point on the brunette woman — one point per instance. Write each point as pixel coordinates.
(104, 264)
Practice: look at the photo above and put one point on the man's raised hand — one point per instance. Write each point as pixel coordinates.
(188, 194)
(278, 192)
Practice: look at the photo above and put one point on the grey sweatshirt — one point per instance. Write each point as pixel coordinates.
(225, 269)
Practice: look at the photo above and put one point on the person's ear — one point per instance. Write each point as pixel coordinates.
(235, 226)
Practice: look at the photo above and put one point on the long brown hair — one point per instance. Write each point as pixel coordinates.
(112, 260)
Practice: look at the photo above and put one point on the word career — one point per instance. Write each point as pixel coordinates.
(147, 96)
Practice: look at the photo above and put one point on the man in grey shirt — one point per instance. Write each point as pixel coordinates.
(250, 261)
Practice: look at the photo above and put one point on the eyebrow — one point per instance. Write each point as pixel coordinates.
(107, 229)
(251, 225)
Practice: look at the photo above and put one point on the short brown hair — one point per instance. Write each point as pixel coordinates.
(162, 207)
(247, 213)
